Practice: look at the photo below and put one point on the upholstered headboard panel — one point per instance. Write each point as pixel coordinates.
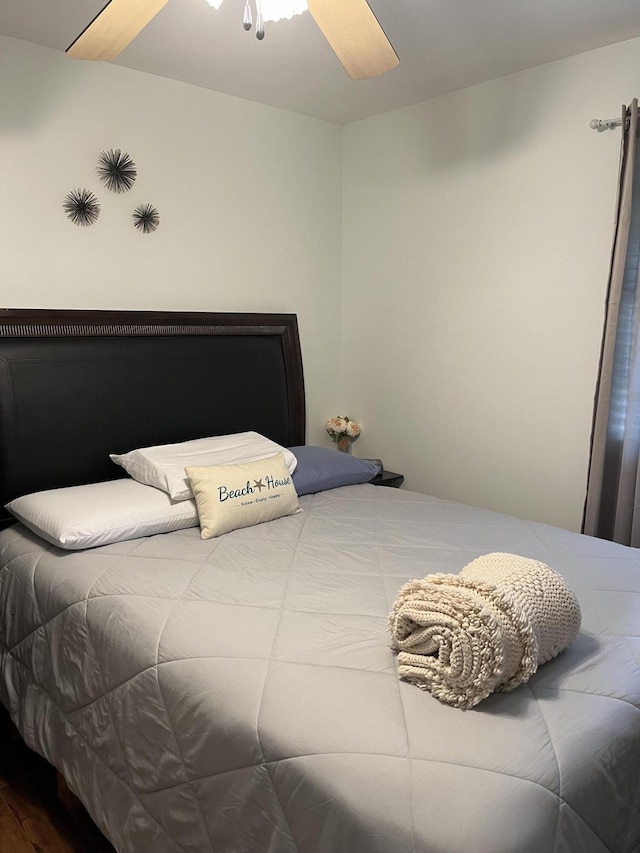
(77, 385)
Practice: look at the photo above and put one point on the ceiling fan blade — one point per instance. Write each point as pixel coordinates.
(355, 35)
(113, 28)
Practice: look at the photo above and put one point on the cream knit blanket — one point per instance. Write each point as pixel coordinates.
(489, 628)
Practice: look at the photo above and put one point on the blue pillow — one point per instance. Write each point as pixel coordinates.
(320, 468)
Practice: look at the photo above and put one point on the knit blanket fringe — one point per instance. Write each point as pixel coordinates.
(487, 629)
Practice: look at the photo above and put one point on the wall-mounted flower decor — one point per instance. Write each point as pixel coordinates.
(81, 206)
(116, 170)
(146, 218)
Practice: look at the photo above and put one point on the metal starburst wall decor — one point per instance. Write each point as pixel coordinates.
(146, 218)
(81, 206)
(116, 170)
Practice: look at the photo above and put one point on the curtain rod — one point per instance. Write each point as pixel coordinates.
(604, 123)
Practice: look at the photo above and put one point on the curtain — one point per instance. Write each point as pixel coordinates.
(612, 506)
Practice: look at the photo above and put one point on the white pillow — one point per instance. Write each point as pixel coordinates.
(164, 466)
(232, 496)
(100, 513)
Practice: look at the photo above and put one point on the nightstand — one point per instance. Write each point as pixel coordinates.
(388, 478)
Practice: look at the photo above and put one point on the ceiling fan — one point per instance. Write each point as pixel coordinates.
(349, 26)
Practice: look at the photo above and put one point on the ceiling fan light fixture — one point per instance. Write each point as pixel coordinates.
(350, 27)
(276, 10)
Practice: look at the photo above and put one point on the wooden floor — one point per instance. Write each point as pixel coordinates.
(32, 818)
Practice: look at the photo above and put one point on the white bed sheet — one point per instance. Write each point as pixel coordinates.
(239, 694)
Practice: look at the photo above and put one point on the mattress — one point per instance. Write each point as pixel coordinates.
(238, 695)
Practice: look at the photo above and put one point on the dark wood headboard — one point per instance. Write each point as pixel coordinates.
(78, 385)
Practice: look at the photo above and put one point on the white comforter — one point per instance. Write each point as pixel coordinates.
(239, 695)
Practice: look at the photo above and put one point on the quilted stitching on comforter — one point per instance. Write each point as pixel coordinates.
(239, 695)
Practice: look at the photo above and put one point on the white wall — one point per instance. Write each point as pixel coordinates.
(249, 199)
(477, 232)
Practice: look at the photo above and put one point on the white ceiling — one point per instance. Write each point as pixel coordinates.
(443, 45)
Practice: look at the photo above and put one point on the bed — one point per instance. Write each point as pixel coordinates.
(238, 694)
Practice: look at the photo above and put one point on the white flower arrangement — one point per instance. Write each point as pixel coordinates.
(343, 431)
